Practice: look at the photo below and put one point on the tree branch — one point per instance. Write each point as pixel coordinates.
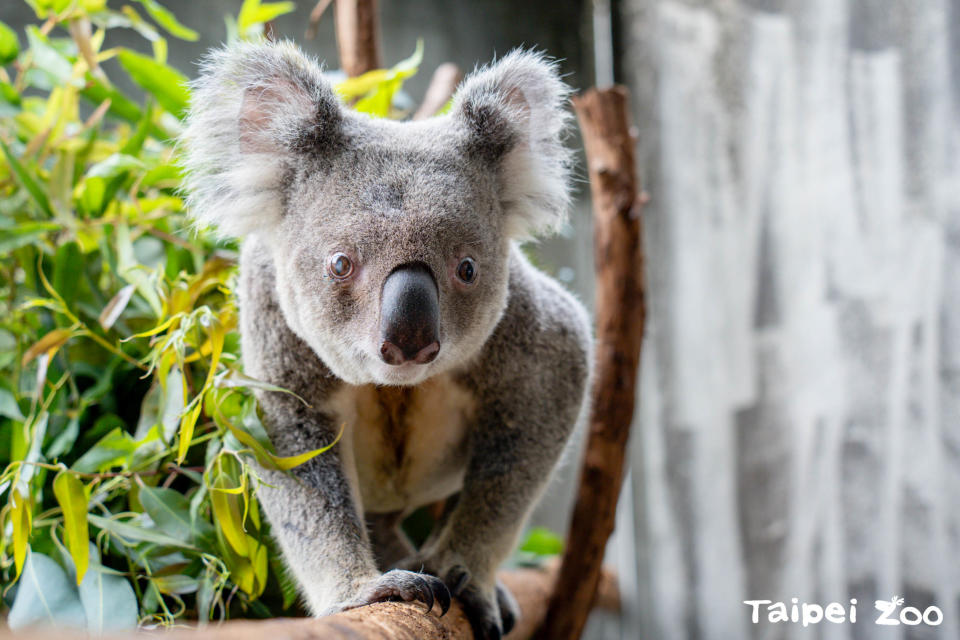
(358, 37)
(620, 315)
(315, 14)
(382, 621)
(442, 85)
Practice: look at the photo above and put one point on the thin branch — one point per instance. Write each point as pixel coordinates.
(442, 86)
(318, 10)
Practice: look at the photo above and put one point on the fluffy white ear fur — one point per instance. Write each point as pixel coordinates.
(516, 109)
(252, 106)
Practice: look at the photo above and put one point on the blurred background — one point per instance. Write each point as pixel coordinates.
(798, 431)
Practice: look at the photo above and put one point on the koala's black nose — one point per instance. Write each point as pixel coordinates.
(409, 316)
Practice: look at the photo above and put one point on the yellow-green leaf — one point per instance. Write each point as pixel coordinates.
(228, 515)
(50, 342)
(165, 18)
(22, 519)
(373, 91)
(187, 424)
(264, 456)
(254, 12)
(217, 334)
(9, 47)
(259, 560)
(72, 497)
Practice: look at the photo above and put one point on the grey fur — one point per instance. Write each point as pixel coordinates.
(272, 156)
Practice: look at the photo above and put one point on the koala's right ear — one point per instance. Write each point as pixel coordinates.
(254, 109)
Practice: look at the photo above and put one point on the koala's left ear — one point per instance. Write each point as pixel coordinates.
(515, 114)
(255, 109)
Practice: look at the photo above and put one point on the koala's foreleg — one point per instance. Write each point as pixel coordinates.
(314, 515)
(511, 460)
(390, 543)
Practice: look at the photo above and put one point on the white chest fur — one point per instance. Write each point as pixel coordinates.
(408, 444)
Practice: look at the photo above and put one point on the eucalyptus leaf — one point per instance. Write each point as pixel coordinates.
(170, 511)
(165, 18)
(116, 165)
(108, 601)
(9, 47)
(9, 406)
(111, 450)
(131, 533)
(46, 596)
(163, 82)
(72, 497)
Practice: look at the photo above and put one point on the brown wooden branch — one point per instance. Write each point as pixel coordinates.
(442, 85)
(620, 314)
(358, 37)
(386, 620)
(315, 14)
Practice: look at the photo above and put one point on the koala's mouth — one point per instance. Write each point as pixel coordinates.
(406, 374)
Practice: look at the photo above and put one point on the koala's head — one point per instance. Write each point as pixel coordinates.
(390, 239)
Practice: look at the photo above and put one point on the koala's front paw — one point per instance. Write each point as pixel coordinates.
(402, 586)
(492, 615)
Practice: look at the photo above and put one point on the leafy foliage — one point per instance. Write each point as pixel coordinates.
(127, 426)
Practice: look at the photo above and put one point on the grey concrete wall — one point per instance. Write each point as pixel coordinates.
(800, 416)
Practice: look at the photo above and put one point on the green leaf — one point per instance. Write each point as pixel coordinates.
(170, 511)
(542, 542)
(133, 272)
(130, 533)
(46, 596)
(24, 234)
(112, 449)
(163, 82)
(254, 13)
(67, 267)
(228, 514)
(376, 89)
(72, 497)
(52, 67)
(109, 602)
(9, 100)
(9, 47)
(113, 166)
(28, 181)
(21, 516)
(121, 106)
(9, 406)
(165, 18)
(176, 584)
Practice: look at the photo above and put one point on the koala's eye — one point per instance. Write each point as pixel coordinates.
(467, 270)
(340, 266)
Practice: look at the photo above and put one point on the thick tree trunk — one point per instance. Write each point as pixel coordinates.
(619, 308)
(801, 404)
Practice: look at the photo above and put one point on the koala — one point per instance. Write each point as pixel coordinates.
(381, 280)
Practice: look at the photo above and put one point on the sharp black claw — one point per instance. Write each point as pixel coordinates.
(426, 593)
(443, 595)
